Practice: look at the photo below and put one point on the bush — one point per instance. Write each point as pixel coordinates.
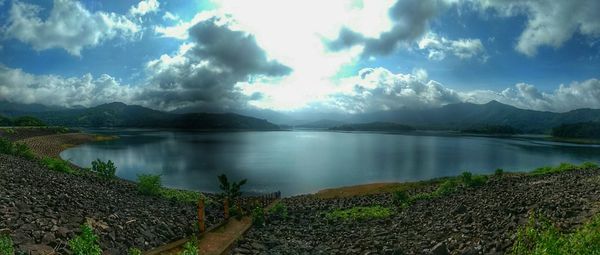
(28, 121)
(56, 164)
(190, 247)
(149, 184)
(499, 172)
(563, 167)
(134, 251)
(360, 213)
(473, 181)
(258, 216)
(104, 169)
(6, 245)
(400, 197)
(15, 149)
(86, 243)
(185, 196)
(279, 209)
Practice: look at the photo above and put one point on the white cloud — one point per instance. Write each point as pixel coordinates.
(68, 26)
(170, 16)
(378, 89)
(144, 7)
(22, 87)
(439, 47)
(549, 23)
(585, 94)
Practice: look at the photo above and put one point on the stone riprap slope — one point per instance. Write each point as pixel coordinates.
(42, 209)
(481, 220)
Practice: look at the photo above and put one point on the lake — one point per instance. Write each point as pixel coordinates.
(297, 162)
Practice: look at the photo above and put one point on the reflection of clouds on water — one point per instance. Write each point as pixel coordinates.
(307, 161)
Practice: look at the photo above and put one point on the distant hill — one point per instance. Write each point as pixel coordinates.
(492, 130)
(122, 115)
(466, 115)
(321, 124)
(589, 130)
(373, 126)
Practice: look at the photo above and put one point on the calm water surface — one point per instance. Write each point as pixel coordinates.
(297, 162)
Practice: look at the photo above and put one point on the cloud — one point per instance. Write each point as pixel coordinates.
(204, 73)
(378, 89)
(576, 95)
(144, 7)
(410, 21)
(549, 23)
(68, 26)
(22, 87)
(439, 47)
(170, 16)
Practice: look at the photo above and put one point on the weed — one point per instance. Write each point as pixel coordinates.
(6, 245)
(57, 164)
(86, 243)
(258, 216)
(279, 209)
(190, 247)
(134, 251)
(360, 213)
(104, 169)
(185, 196)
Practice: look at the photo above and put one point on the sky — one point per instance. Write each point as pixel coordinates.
(344, 56)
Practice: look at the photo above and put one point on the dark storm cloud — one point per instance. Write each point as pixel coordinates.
(410, 19)
(204, 75)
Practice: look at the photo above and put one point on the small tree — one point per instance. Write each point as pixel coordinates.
(104, 169)
(231, 191)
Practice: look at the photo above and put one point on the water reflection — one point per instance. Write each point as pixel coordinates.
(306, 161)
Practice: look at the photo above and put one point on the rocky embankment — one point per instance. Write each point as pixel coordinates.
(481, 220)
(41, 210)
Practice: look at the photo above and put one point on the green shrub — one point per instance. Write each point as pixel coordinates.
(149, 184)
(15, 149)
(472, 181)
(56, 164)
(10, 131)
(190, 247)
(400, 197)
(539, 236)
(563, 167)
(279, 209)
(230, 190)
(104, 169)
(258, 216)
(85, 243)
(499, 172)
(28, 121)
(6, 245)
(134, 251)
(360, 213)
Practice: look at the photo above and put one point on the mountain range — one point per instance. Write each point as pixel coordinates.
(458, 116)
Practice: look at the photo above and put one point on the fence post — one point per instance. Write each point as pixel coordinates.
(201, 225)
(226, 208)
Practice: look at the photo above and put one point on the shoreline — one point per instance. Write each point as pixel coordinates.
(53, 145)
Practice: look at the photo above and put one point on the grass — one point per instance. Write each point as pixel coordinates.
(6, 245)
(539, 236)
(190, 247)
(360, 213)
(15, 149)
(563, 167)
(279, 209)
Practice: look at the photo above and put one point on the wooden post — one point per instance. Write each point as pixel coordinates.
(226, 208)
(201, 225)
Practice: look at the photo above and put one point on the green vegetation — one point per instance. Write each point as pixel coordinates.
(6, 245)
(104, 169)
(493, 130)
(400, 197)
(539, 236)
(85, 243)
(279, 209)
(149, 184)
(190, 247)
(258, 216)
(578, 130)
(23, 121)
(564, 167)
(499, 172)
(15, 149)
(373, 126)
(360, 213)
(473, 181)
(57, 164)
(134, 251)
(232, 190)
